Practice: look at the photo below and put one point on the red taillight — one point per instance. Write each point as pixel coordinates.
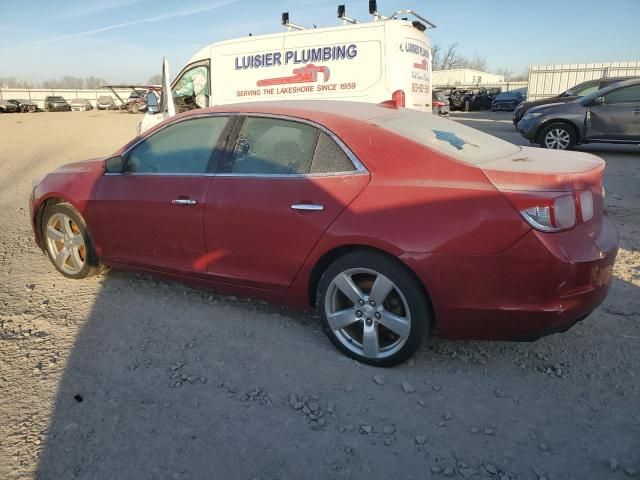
(398, 98)
(553, 212)
(438, 103)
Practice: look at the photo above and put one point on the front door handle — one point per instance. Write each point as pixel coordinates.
(636, 111)
(309, 207)
(183, 201)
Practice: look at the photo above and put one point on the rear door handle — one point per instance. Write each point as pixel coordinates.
(309, 207)
(183, 201)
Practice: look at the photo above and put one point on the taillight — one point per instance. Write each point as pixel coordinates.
(586, 205)
(554, 212)
(552, 215)
(438, 103)
(398, 98)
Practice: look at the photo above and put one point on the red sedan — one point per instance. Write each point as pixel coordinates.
(390, 222)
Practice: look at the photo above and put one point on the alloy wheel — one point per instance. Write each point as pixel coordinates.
(65, 243)
(557, 138)
(367, 313)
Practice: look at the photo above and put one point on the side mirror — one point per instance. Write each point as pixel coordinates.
(114, 165)
(597, 101)
(152, 103)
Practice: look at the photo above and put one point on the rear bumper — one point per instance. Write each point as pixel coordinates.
(544, 283)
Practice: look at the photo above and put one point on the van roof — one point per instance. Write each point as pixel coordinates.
(204, 52)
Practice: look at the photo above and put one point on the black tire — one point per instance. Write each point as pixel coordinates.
(92, 265)
(559, 131)
(404, 282)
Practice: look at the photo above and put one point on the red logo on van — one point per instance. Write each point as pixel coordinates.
(306, 74)
(421, 66)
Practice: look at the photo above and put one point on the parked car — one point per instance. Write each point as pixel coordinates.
(55, 103)
(8, 107)
(137, 101)
(25, 105)
(80, 105)
(508, 101)
(580, 90)
(314, 204)
(470, 99)
(439, 103)
(105, 102)
(611, 114)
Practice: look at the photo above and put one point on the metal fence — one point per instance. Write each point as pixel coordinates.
(548, 80)
(38, 95)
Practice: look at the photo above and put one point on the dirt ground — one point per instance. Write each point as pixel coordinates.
(128, 377)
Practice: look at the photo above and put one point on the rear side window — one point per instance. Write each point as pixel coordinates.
(624, 95)
(329, 157)
(272, 146)
(446, 136)
(182, 148)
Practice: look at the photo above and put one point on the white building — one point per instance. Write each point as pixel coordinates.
(464, 76)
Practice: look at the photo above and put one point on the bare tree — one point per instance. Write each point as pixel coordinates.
(13, 82)
(69, 81)
(94, 82)
(506, 73)
(476, 63)
(155, 80)
(436, 56)
(451, 58)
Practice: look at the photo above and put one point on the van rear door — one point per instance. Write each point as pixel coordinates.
(409, 64)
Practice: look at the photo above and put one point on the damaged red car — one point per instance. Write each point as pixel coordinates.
(393, 224)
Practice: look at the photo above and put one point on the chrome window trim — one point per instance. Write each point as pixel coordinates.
(360, 169)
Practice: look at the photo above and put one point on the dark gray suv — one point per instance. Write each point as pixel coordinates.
(610, 115)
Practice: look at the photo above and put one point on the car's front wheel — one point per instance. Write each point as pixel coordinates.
(372, 308)
(67, 242)
(558, 136)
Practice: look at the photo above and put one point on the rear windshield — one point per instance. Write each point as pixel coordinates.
(56, 99)
(447, 136)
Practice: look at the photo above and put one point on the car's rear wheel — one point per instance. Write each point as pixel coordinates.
(135, 107)
(372, 308)
(558, 136)
(67, 242)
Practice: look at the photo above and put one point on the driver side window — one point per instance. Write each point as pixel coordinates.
(191, 91)
(185, 147)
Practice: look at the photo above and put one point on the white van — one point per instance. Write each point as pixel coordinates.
(388, 59)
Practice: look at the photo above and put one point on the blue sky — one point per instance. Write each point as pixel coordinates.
(124, 40)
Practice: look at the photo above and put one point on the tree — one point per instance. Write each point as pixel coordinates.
(506, 73)
(476, 63)
(94, 82)
(155, 80)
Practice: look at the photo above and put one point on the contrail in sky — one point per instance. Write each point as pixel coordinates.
(157, 18)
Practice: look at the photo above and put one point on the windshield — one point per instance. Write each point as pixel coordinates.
(463, 143)
(56, 99)
(582, 89)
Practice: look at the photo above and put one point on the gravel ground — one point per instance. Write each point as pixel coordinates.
(128, 377)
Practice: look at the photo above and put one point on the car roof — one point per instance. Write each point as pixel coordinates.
(314, 110)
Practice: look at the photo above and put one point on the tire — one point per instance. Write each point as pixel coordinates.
(557, 136)
(71, 243)
(135, 108)
(403, 307)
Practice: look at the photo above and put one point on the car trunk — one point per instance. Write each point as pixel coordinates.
(541, 170)
(535, 174)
